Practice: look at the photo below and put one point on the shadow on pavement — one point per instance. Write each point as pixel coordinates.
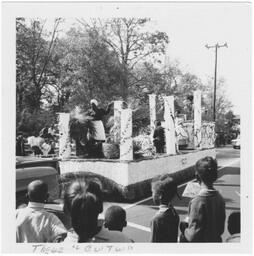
(233, 208)
(229, 171)
(184, 202)
(225, 185)
(228, 200)
(179, 211)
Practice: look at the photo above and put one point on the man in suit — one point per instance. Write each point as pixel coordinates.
(159, 138)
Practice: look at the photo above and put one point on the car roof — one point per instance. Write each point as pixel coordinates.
(26, 159)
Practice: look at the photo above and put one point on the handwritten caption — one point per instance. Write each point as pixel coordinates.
(79, 248)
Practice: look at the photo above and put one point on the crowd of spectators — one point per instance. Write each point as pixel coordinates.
(83, 204)
(37, 143)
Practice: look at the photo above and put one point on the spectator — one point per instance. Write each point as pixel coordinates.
(44, 132)
(207, 210)
(78, 187)
(164, 225)
(46, 147)
(52, 147)
(33, 223)
(88, 198)
(234, 227)
(51, 131)
(115, 218)
(30, 139)
(20, 145)
(84, 216)
(35, 142)
(159, 138)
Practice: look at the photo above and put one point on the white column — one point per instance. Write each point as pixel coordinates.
(126, 147)
(152, 111)
(64, 137)
(117, 120)
(197, 119)
(169, 124)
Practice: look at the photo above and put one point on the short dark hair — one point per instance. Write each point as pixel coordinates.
(84, 215)
(74, 188)
(206, 170)
(164, 189)
(234, 223)
(115, 218)
(37, 191)
(80, 186)
(158, 122)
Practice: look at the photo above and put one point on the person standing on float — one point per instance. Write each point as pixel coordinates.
(97, 115)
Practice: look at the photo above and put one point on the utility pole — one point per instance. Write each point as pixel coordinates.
(216, 46)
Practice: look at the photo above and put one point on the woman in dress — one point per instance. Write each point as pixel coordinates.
(97, 114)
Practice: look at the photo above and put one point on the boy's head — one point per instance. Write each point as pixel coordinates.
(115, 218)
(206, 170)
(164, 189)
(80, 186)
(84, 215)
(37, 191)
(234, 223)
(75, 188)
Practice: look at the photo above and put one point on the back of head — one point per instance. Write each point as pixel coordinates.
(164, 189)
(79, 187)
(75, 188)
(84, 215)
(234, 223)
(115, 218)
(37, 191)
(206, 170)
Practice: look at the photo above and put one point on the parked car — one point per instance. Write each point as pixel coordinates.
(29, 168)
(237, 142)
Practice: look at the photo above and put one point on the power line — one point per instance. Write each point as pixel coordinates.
(216, 46)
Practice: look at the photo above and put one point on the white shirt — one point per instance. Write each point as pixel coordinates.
(35, 141)
(45, 148)
(235, 238)
(35, 225)
(31, 141)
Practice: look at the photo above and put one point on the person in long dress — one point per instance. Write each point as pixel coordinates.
(97, 115)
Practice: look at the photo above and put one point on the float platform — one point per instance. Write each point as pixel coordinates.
(131, 180)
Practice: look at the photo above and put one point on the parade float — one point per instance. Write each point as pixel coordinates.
(128, 177)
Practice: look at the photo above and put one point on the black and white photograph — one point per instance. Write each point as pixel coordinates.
(128, 124)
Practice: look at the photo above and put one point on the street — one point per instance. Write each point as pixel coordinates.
(140, 213)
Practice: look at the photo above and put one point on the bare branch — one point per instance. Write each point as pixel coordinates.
(51, 45)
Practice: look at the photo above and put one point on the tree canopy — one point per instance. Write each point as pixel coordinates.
(107, 59)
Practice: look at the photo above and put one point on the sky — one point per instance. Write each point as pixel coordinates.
(190, 26)
(190, 29)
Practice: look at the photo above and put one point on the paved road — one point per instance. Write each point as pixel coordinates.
(228, 183)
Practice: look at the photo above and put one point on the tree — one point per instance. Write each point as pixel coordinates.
(34, 54)
(86, 69)
(230, 122)
(131, 43)
(34, 49)
(223, 105)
